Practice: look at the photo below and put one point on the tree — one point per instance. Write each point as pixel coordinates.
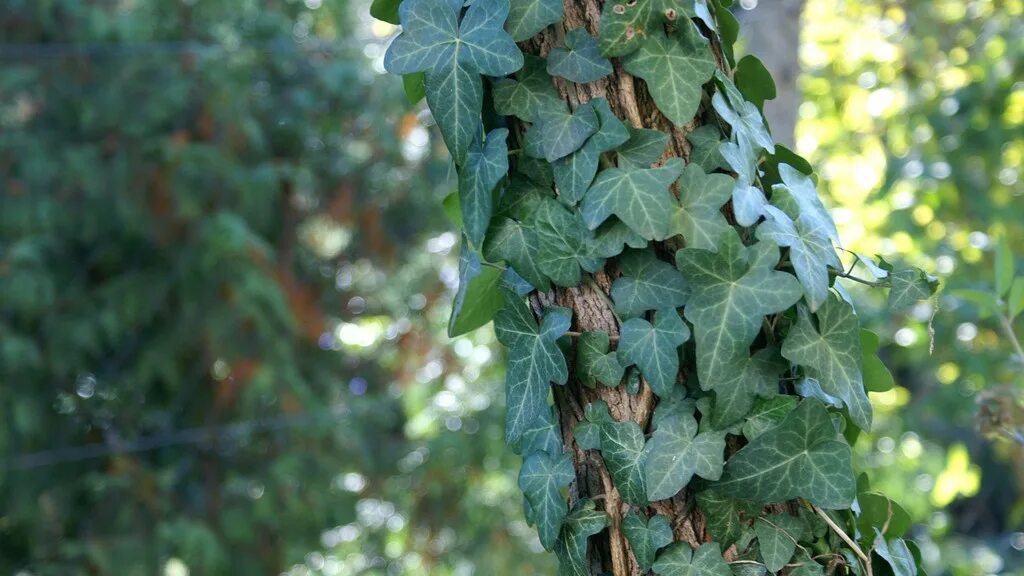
(652, 258)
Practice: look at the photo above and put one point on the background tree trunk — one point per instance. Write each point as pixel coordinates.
(592, 311)
(772, 33)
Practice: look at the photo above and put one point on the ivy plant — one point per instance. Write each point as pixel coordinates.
(685, 369)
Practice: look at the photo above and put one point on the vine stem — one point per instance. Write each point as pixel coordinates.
(1008, 328)
(845, 537)
(849, 276)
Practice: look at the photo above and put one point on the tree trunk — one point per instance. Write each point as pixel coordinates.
(772, 32)
(628, 97)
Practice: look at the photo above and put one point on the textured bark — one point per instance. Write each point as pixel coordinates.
(772, 33)
(592, 311)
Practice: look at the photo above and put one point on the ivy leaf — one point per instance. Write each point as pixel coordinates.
(528, 17)
(541, 479)
(622, 447)
(612, 236)
(542, 434)
(582, 62)
(676, 452)
(810, 251)
(531, 91)
(564, 244)
(724, 515)
(675, 69)
(478, 298)
(733, 289)
(534, 361)
(558, 133)
(767, 414)
(876, 510)
(414, 86)
(643, 148)
(680, 560)
(755, 82)
(897, 554)
(625, 24)
(594, 363)
(748, 202)
(744, 118)
(801, 457)
(640, 198)
(831, 355)
(699, 217)
(754, 376)
(571, 549)
(705, 142)
(516, 244)
(575, 172)
(647, 283)
(776, 537)
(646, 537)
(386, 10)
(454, 54)
(486, 164)
(910, 286)
(805, 195)
(877, 377)
(655, 348)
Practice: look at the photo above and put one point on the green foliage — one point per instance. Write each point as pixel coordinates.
(755, 268)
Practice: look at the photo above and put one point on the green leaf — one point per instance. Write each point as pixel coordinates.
(754, 82)
(724, 516)
(675, 69)
(414, 86)
(744, 118)
(534, 361)
(897, 554)
(564, 244)
(810, 251)
(732, 290)
(531, 92)
(624, 24)
(699, 217)
(479, 296)
(680, 560)
(587, 435)
(767, 414)
(450, 205)
(876, 511)
(1015, 299)
(877, 377)
(612, 237)
(575, 173)
(830, 353)
(804, 195)
(528, 17)
(654, 348)
(754, 376)
(594, 363)
(910, 286)
(705, 142)
(781, 156)
(643, 148)
(808, 566)
(1003, 266)
(647, 283)
(676, 452)
(776, 538)
(486, 164)
(582, 61)
(558, 133)
(640, 198)
(622, 447)
(386, 10)
(517, 245)
(646, 537)
(571, 549)
(541, 479)
(542, 434)
(454, 54)
(800, 458)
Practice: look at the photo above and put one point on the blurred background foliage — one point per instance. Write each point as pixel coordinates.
(225, 276)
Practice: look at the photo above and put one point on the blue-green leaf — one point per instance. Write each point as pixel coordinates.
(705, 142)
(580, 61)
(622, 448)
(594, 363)
(528, 17)
(479, 296)
(699, 216)
(676, 452)
(565, 244)
(531, 92)
(646, 537)
(575, 173)
(675, 69)
(643, 148)
(654, 348)
(640, 198)
(486, 164)
(516, 244)
(777, 537)
(541, 479)
(680, 560)
(571, 549)
(647, 283)
(810, 251)
(558, 133)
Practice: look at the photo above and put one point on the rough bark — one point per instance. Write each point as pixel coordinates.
(592, 311)
(772, 33)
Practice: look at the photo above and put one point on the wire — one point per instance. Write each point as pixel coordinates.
(107, 49)
(196, 435)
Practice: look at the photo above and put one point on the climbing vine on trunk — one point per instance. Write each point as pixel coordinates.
(685, 373)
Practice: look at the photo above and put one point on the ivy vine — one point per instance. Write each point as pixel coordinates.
(724, 264)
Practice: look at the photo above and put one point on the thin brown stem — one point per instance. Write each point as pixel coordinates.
(846, 538)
